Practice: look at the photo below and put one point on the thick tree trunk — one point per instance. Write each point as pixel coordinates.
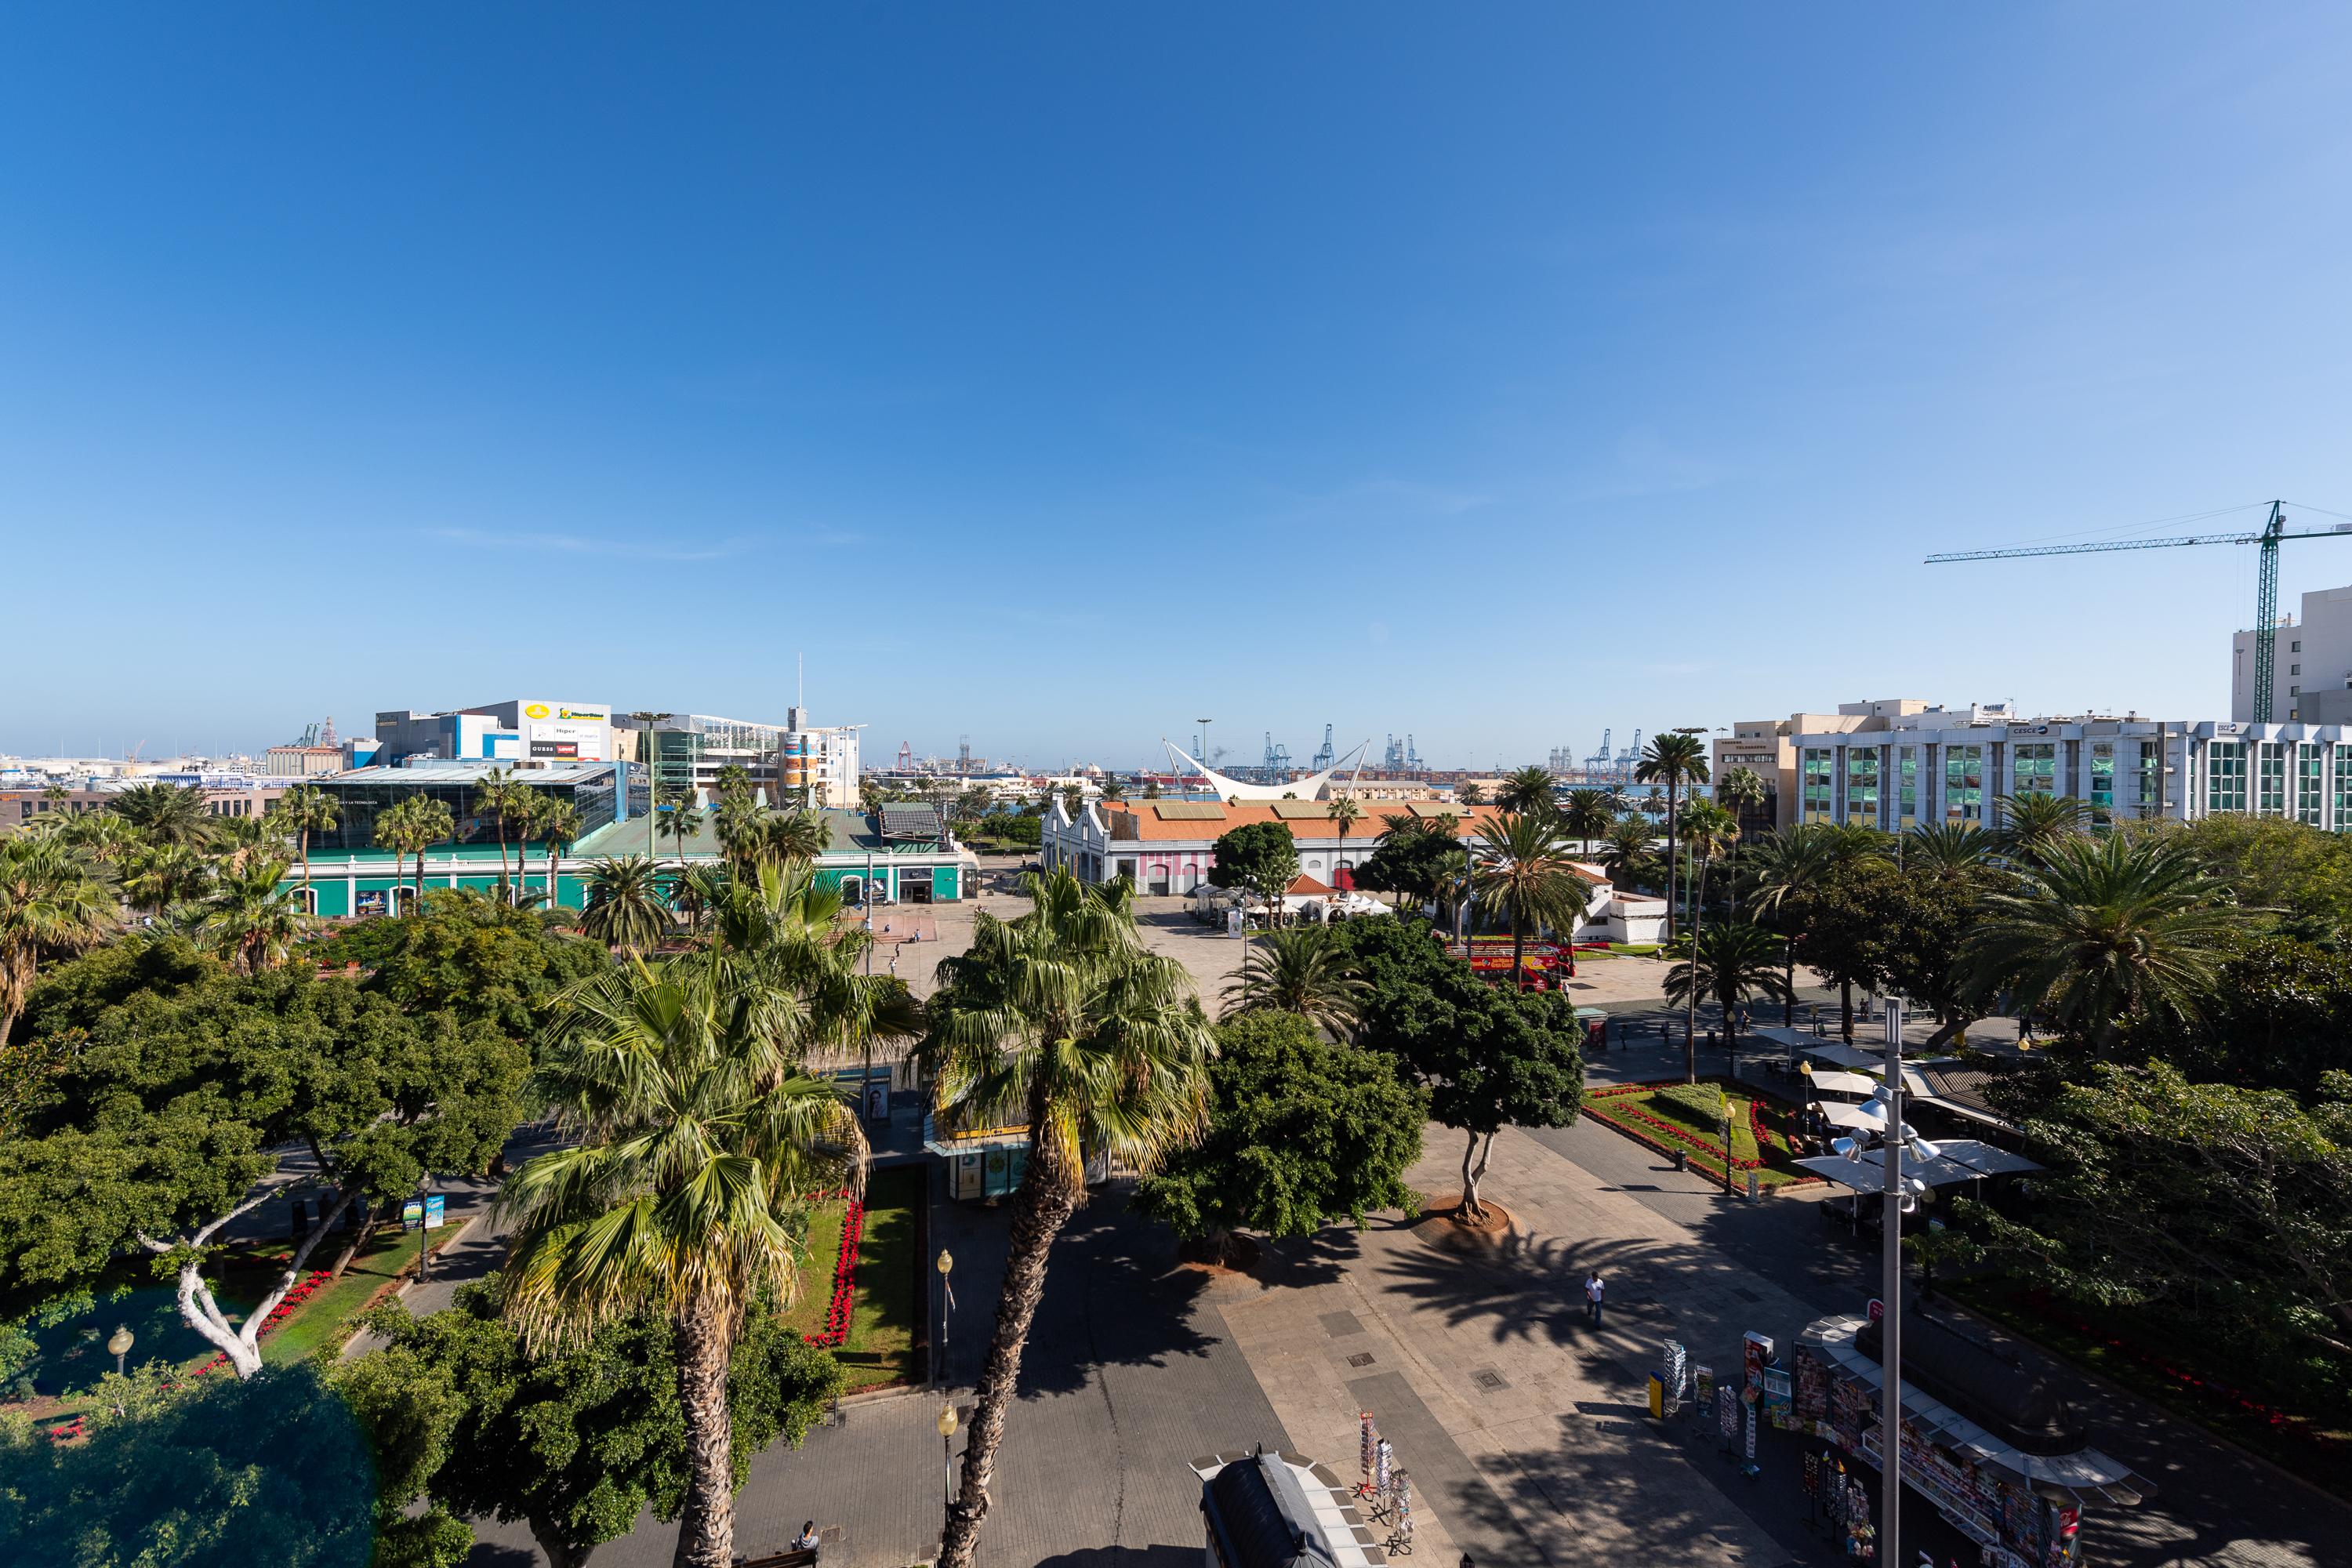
(240, 1343)
(360, 1233)
(706, 1529)
(1674, 821)
(1789, 1002)
(561, 1552)
(1045, 1206)
(1474, 1157)
(1845, 1008)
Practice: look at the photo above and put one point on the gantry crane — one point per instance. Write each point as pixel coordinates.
(2266, 580)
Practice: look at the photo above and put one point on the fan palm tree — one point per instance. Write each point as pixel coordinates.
(1525, 791)
(2106, 929)
(1708, 830)
(523, 808)
(700, 1145)
(679, 823)
(253, 919)
(558, 824)
(1521, 870)
(1064, 1022)
(168, 814)
(164, 875)
(738, 823)
(1585, 815)
(301, 811)
(625, 907)
(2034, 825)
(1674, 760)
(697, 890)
(53, 902)
(1345, 813)
(1742, 789)
(391, 831)
(1726, 964)
(798, 835)
(493, 798)
(431, 822)
(104, 839)
(1302, 970)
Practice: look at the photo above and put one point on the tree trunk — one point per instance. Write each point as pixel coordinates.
(560, 1549)
(1845, 1008)
(1473, 1170)
(1044, 1207)
(1674, 822)
(1789, 1002)
(706, 1529)
(359, 1234)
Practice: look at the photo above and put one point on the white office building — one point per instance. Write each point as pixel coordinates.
(1949, 765)
(2311, 668)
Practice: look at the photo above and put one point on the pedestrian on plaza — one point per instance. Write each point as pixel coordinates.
(1593, 1288)
(807, 1539)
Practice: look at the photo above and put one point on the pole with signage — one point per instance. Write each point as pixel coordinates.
(1890, 1360)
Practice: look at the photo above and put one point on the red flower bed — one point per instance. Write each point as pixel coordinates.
(844, 1276)
(302, 1292)
(1623, 1117)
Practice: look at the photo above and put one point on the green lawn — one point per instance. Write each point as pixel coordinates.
(880, 1348)
(1677, 1104)
(319, 1322)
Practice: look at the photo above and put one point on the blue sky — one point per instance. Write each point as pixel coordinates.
(1058, 375)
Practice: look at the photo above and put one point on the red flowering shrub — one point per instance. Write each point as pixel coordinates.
(844, 1276)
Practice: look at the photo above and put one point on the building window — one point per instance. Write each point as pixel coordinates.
(2033, 770)
(2151, 760)
(1964, 784)
(2103, 782)
(2295, 647)
(1862, 787)
(2225, 777)
(1906, 786)
(1813, 793)
(2308, 784)
(2344, 789)
(2270, 798)
(2295, 670)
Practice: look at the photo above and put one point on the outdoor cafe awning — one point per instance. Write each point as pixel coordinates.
(1841, 1082)
(1959, 1160)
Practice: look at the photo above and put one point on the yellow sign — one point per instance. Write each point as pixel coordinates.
(570, 714)
(536, 711)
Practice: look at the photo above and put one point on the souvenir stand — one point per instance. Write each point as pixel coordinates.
(2004, 1459)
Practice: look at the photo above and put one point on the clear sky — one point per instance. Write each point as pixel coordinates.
(1057, 375)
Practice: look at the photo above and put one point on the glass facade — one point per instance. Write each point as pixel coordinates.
(2151, 760)
(2309, 786)
(2270, 796)
(1964, 784)
(1814, 783)
(2103, 782)
(2225, 776)
(1862, 786)
(2034, 768)
(363, 803)
(2344, 789)
(1906, 787)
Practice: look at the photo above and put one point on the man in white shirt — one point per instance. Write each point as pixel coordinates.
(1593, 1288)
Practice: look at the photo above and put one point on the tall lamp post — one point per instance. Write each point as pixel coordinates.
(119, 1343)
(947, 1458)
(947, 1310)
(1899, 1192)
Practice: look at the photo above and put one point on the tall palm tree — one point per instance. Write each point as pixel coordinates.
(625, 907)
(53, 902)
(699, 1145)
(1521, 870)
(165, 875)
(493, 798)
(558, 824)
(1781, 868)
(699, 891)
(431, 823)
(1525, 791)
(1947, 851)
(2033, 826)
(1727, 963)
(1585, 815)
(1345, 813)
(253, 919)
(1741, 789)
(523, 808)
(301, 811)
(738, 823)
(168, 814)
(1060, 1021)
(1302, 970)
(1707, 829)
(679, 823)
(1673, 760)
(1628, 848)
(799, 835)
(392, 831)
(2106, 929)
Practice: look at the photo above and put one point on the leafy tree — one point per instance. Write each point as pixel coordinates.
(2269, 863)
(1417, 857)
(1520, 870)
(1302, 1134)
(573, 1441)
(625, 907)
(2280, 1016)
(2105, 930)
(52, 903)
(2229, 1209)
(1260, 858)
(168, 814)
(468, 954)
(215, 1474)
(1727, 963)
(1303, 971)
(1674, 760)
(1491, 1058)
(183, 1080)
(1063, 1022)
(1527, 792)
(699, 1142)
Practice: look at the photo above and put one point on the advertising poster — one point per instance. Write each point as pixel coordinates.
(412, 1214)
(1780, 1400)
(436, 1207)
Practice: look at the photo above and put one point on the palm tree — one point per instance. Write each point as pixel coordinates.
(1585, 815)
(254, 919)
(392, 831)
(1673, 759)
(1781, 868)
(52, 903)
(1112, 789)
(737, 824)
(165, 875)
(1525, 791)
(700, 1146)
(2105, 930)
(1947, 851)
(301, 811)
(1302, 970)
(697, 890)
(168, 814)
(1727, 965)
(625, 907)
(1628, 847)
(1345, 813)
(1742, 790)
(798, 835)
(493, 793)
(2033, 826)
(1708, 829)
(1471, 794)
(432, 822)
(103, 837)
(523, 808)
(1521, 870)
(1060, 1021)
(679, 823)
(558, 824)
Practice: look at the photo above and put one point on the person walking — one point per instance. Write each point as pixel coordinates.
(1593, 1289)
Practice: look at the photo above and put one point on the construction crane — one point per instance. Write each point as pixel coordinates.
(2273, 530)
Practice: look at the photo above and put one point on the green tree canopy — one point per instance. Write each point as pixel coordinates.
(1303, 971)
(469, 955)
(1302, 1134)
(573, 1442)
(1260, 858)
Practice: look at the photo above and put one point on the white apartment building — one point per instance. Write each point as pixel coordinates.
(1944, 765)
(2310, 669)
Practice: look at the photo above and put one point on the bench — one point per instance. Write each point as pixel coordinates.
(799, 1557)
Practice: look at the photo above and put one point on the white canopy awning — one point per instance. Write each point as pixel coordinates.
(1841, 1082)
(1958, 1160)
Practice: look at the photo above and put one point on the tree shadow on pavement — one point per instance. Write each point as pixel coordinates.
(1126, 1557)
(1114, 1296)
(1532, 1290)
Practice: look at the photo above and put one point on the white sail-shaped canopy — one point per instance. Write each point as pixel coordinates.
(1315, 787)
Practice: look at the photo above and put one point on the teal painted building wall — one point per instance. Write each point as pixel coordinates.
(362, 885)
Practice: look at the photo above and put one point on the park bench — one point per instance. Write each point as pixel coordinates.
(799, 1557)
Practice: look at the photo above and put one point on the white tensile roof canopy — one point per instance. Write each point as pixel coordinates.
(1317, 788)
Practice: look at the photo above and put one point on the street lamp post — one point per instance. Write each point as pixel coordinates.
(947, 1458)
(947, 1310)
(119, 1343)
